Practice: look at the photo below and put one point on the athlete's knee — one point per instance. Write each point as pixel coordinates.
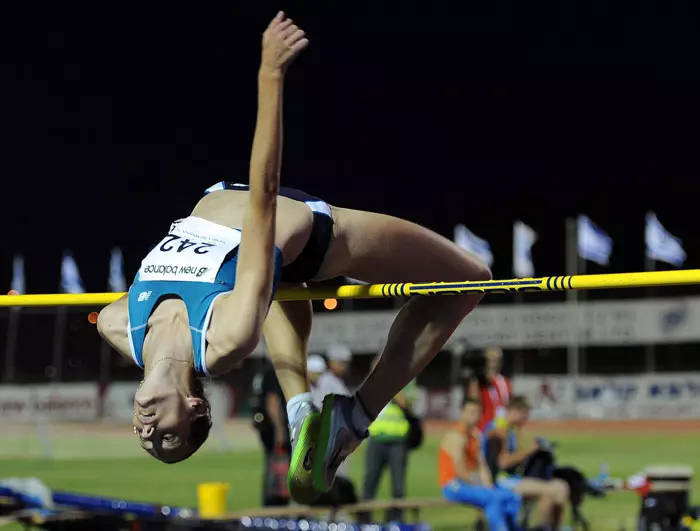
(559, 491)
(469, 267)
(482, 272)
(501, 495)
(507, 495)
(473, 270)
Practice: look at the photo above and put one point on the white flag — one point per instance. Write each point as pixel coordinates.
(662, 245)
(18, 274)
(468, 241)
(117, 282)
(593, 242)
(523, 240)
(70, 276)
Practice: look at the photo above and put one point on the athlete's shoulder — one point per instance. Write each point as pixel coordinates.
(453, 436)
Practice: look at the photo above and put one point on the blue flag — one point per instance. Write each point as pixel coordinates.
(70, 276)
(18, 274)
(469, 241)
(662, 245)
(117, 282)
(524, 237)
(593, 242)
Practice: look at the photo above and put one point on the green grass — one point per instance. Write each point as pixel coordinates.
(144, 479)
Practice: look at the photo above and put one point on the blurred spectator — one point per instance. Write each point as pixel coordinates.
(332, 380)
(508, 458)
(325, 379)
(388, 446)
(490, 387)
(464, 476)
(315, 367)
(270, 420)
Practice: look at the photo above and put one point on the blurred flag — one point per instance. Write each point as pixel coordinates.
(468, 241)
(593, 242)
(523, 240)
(18, 274)
(662, 245)
(70, 276)
(117, 282)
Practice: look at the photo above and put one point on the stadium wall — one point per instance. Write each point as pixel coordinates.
(650, 396)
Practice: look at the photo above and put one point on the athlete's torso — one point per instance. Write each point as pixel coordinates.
(494, 399)
(292, 229)
(192, 270)
(447, 470)
(511, 433)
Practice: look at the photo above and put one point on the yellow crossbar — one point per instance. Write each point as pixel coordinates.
(369, 291)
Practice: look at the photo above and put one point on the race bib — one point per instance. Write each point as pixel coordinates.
(193, 251)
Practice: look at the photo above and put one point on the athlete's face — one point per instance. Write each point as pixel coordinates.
(162, 421)
(518, 416)
(494, 360)
(339, 368)
(471, 413)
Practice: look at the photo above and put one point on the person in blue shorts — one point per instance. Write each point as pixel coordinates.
(464, 476)
(203, 298)
(504, 430)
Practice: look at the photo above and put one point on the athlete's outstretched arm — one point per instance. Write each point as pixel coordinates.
(247, 306)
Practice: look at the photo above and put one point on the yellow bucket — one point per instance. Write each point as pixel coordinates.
(212, 499)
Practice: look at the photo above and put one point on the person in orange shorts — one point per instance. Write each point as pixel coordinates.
(465, 478)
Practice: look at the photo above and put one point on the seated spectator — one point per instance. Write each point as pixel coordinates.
(508, 459)
(465, 477)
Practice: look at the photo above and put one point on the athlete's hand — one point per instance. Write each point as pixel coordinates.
(282, 42)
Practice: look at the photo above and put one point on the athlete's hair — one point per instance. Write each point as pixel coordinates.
(519, 402)
(199, 430)
(471, 400)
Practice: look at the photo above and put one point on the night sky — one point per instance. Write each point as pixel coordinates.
(478, 112)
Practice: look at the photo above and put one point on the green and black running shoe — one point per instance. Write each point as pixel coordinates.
(303, 434)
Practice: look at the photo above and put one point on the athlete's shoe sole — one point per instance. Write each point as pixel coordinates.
(300, 480)
(336, 435)
(321, 446)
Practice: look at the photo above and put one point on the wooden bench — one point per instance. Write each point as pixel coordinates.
(80, 520)
(414, 505)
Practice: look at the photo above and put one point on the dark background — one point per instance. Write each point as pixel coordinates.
(115, 120)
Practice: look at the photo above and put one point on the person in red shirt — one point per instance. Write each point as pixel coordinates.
(491, 388)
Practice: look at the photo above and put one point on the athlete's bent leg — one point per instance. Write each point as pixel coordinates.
(540, 491)
(489, 500)
(377, 248)
(560, 494)
(286, 330)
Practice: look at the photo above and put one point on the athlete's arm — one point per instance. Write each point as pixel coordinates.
(113, 324)
(247, 306)
(484, 471)
(454, 443)
(506, 459)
